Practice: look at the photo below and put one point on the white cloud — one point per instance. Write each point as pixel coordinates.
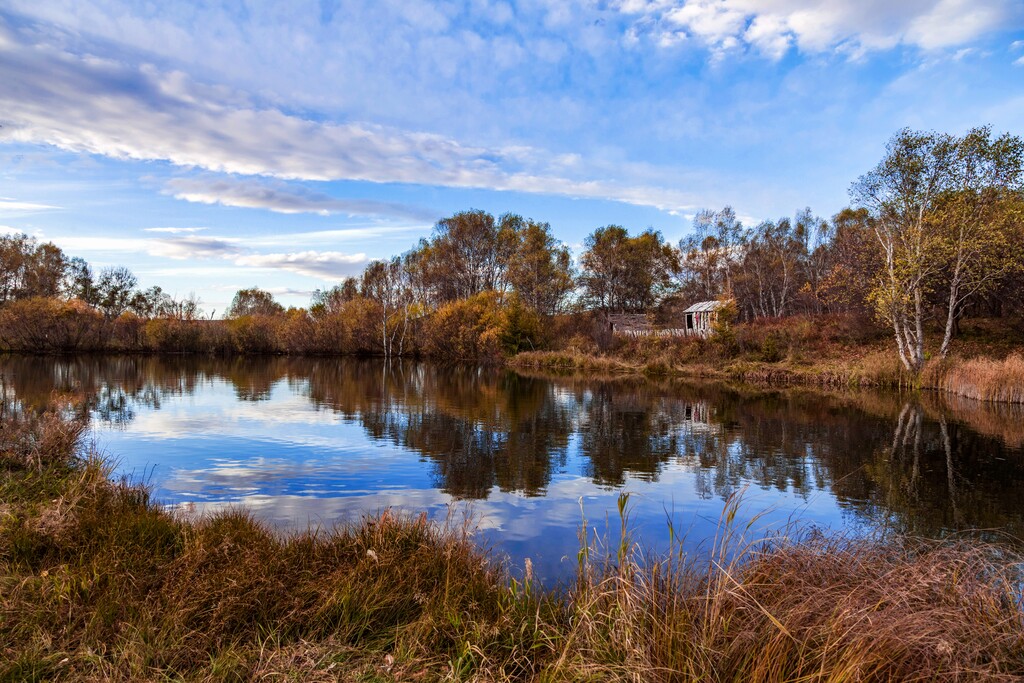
(1019, 61)
(323, 265)
(100, 106)
(772, 26)
(281, 198)
(174, 231)
(193, 247)
(326, 265)
(14, 206)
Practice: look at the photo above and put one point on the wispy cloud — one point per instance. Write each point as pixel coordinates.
(287, 199)
(100, 106)
(325, 265)
(174, 231)
(193, 247)
(14, 206)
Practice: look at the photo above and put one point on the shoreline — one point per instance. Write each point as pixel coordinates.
(953, 377)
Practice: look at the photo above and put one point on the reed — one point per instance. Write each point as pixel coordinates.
(982, 379)
(98, 583)
(570, 362)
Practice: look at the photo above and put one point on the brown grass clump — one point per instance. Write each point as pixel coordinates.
(98, 583)
(983, 379)
(812, 609)
(569, 362)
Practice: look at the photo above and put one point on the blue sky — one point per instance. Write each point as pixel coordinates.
(215, 146)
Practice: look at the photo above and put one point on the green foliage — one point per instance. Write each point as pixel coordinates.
(521, 328)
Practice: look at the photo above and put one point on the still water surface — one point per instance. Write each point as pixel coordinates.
(305, 442)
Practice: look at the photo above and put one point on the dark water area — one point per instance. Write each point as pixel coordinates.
(303, 442)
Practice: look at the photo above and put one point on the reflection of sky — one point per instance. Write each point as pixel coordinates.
(295, 465)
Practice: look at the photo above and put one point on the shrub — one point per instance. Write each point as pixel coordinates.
(469, 329)
(41, 324)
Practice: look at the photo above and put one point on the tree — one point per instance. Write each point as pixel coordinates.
(710, 254)
(253, 301)
(330, 301)
(934, 201)
(541, 270)
(114, 291)
(854, 260)
(771, 272)
(29, 269)
(78, 281)
(468, 254)
(387, 284)
(151, 303)
(975, 242)
(900, 192)
(624, 273)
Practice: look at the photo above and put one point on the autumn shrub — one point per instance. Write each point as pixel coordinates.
(332, 333)
(362, 318)
(128, 333)
(295, 333)
(255, 333)
(468, 329)
(41, 324)
(170, 335)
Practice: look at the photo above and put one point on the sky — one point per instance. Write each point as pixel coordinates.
(213, 146)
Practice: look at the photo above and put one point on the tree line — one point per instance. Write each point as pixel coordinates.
(934, 233)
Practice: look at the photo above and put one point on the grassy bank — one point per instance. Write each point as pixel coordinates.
(97, 582)
(798, 355)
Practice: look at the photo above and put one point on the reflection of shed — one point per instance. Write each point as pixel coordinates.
(700, 318)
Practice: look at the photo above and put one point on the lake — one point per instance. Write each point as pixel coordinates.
(322, 441)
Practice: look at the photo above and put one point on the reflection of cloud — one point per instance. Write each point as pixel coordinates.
(286, 199)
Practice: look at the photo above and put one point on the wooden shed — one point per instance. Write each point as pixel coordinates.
(700, 318)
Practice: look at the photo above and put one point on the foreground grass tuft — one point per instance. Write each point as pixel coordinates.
(97, 582)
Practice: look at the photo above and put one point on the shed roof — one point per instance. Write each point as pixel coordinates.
(702, 306)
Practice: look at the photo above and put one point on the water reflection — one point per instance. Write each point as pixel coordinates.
(294, 433)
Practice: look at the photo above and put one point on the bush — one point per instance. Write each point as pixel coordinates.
(254, 333)
(40, 324)
(469, 329)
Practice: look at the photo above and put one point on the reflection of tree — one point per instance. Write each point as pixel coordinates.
(927, 466)
(478, 428)
(626, 430)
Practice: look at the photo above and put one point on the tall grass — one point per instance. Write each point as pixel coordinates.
(98, 583)
(983, 379)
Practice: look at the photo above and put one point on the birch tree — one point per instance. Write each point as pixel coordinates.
(977, 247)
(900, 192)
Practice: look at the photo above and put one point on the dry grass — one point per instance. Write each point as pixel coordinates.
(570, 362)
(982, 379)
(97, 583)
